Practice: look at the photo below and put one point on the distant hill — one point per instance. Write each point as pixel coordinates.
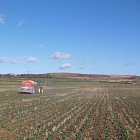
(96, 77)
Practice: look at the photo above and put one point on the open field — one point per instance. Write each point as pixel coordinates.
(70, 110)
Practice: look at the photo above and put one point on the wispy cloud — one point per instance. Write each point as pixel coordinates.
(13, 60)
(16, 60)
(2, 59)
(2, 19)
(40, 46)
(60, 56)
(83, 66)
(9, 60)
(31, 59)
(129, 64)
(21, 23)
(65, 66)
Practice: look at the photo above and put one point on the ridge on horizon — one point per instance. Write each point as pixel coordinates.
(72, 73)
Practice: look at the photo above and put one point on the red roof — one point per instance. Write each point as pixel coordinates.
(28, 83)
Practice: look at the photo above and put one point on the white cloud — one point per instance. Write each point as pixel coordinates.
(2, 19)
(65, 66)
(31, 59)
(21, 23)
(60, 56)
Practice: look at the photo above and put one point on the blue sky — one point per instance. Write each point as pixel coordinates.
(84, 36)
